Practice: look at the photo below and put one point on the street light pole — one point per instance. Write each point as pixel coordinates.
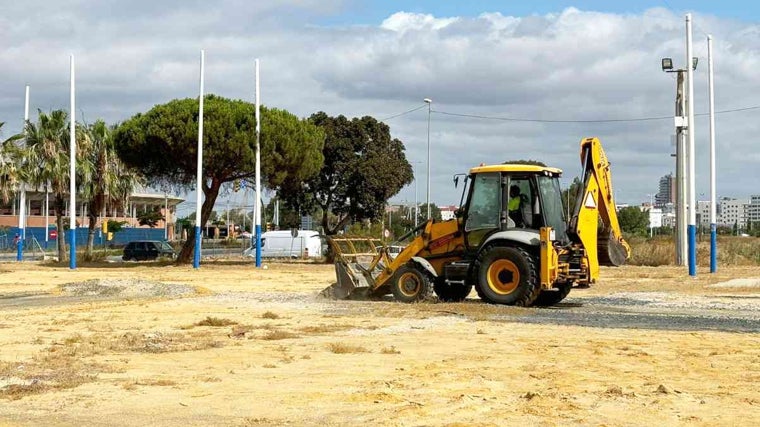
(684, 129)
(429, 102)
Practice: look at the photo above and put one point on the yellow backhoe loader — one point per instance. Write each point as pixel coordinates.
(510, 240)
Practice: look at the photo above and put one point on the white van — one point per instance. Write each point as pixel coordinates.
(282, 244)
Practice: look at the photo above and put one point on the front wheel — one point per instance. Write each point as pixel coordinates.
(410, 284)
(507, 275)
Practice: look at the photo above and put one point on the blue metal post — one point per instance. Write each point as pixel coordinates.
(73, 249)
(713, 248)
(258, 245)
(692, 249)
(197, 253)
(20, 246)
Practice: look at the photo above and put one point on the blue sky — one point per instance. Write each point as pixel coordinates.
(371, 12)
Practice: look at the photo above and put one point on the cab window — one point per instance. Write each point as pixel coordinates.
(484, 208)
(485, 203)
(521, 204)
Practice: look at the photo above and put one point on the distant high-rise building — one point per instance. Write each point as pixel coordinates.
(667, 193)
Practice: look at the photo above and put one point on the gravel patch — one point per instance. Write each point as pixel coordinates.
(738, 283)
(129, 288)
(746, 304)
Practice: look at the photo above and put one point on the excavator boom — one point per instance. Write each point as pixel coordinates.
(605, 246)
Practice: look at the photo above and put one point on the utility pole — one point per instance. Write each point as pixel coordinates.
(680, 140)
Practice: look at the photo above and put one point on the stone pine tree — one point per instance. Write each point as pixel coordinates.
(162, 145)
(363, 167)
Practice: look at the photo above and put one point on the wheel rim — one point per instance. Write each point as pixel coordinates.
(503, 276)
(409, 284)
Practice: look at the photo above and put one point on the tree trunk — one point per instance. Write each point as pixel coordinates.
(339, 226)
(90, 236)
(188, 249)
(59, 207)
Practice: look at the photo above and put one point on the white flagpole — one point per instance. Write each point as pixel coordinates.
(713, 207)
(692, 202)
(199, 173)
(258, 168)
(72, 175)
(22, 191)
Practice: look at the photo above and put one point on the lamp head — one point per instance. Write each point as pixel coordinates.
(428, 100)
(667, 64)
(694, 61)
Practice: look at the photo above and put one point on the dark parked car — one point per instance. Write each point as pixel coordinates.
(147, 249)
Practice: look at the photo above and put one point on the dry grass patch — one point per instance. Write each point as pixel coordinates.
(324, 328)
(340, 348)
(64, 364)
(215, 322)
(278, 334)
(270, 315)
(390, 350)
(163, 342)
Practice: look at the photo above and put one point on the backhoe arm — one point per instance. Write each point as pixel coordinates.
(605, 246)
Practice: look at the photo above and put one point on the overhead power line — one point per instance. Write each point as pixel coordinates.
(636, 119)
(404, 113)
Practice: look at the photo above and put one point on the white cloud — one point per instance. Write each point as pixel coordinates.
(571, 64)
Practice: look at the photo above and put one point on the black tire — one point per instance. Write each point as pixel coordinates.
(549, 298)
(124, 258)
(454, 292)
(507, 275)
(411, 284)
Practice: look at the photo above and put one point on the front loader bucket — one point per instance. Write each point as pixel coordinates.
(354, 277)
(344, 287)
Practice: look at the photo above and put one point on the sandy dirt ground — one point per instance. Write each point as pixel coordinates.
(232, 345)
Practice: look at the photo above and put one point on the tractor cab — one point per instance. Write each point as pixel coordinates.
(512, 197)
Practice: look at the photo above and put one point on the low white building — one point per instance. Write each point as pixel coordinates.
(447, 212)
(733, 211)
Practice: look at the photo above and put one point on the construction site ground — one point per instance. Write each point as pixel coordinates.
(229, 344)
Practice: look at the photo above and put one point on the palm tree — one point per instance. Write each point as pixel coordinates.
(111, 182)
(10, 172)
(47, 149)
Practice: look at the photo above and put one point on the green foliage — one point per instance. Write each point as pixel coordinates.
(162, 145)
(633, 220)
(111, 182)
(116, 226)
(184, 224)
(150, 218)
(525, 162)
(46, 162)
(363, 167)
(289, 217)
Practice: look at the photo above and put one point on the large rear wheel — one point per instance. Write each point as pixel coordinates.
(548, 298)
(507, 275)
(451, 292)
(410, 284)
